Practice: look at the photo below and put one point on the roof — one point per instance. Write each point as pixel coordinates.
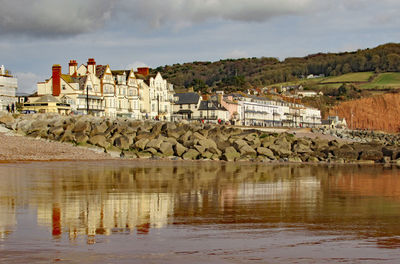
(210, 105)
(47, 99)
(100, 70)
(82, 82)
(184, 111)
(187, 98)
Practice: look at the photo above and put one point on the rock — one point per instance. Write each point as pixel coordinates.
(301, 148)
(230, 154)
(248, 151)
(207, 155)
(346, 152)
(154, 143)
(7, 120)
(210, 145)
(122, 142)
(80, 138)
(144, 135)
(67, 137)
(391, 151)
(265, 152)
(282, 148)
(295, 159)
(144, 155)
(185, 137)
(312, 159)
(166, 149)
(141, 143)
(240, 143)
(56, 131)
(179, 149)
(372, 154)
(191, 154)
(153, 151)
(99, 140)
(99, 129)
(82, 127)
(130, 154)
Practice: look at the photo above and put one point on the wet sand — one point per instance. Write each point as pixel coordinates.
(15, 147)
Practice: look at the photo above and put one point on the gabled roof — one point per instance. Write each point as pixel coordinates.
(210, 105)
(187, 98)
(100, 70)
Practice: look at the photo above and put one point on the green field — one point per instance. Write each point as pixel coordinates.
(349, 78)
(384, 80)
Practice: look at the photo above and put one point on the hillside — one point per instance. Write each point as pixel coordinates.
(241, 74)
(380, 112)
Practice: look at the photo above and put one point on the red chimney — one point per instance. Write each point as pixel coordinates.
(56, 79)
(73, 67)
(143, 71)
(91, 65)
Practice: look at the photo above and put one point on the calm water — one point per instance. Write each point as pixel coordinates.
(113, 212)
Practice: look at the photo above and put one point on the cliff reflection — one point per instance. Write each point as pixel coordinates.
(102, 199)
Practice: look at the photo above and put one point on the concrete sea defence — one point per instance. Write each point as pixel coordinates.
(183, 141)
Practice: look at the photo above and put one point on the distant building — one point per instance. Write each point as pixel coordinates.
(47, 104)
(186, 105)
(8, 88)
(212, 111)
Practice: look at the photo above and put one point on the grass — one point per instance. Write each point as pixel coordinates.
(349, 78)
(384, 80)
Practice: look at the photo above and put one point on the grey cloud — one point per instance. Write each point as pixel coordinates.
(53, 17)
(186, 12)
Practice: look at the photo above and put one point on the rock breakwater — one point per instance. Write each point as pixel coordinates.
(150, 139)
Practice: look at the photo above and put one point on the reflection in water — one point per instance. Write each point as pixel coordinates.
(104, 199)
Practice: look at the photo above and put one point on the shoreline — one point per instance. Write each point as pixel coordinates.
(52, 138)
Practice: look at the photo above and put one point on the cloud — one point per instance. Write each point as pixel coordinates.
(187, 12)
(236, 54)
(135, 65)
(53, 17)
(27, 81)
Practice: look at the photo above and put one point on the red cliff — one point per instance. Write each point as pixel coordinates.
(381, 112)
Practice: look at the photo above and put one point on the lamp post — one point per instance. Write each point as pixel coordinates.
(87, 99)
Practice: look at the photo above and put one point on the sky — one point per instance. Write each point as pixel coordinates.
(126, 34)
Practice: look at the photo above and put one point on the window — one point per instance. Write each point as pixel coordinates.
(63, 87)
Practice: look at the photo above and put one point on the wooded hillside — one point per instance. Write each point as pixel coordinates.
(241, 74)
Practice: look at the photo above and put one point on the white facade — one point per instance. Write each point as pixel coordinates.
(110, 93)
(258, 111)
(8, 89)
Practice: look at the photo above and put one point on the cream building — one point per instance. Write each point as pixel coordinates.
(8, 88)
(100, 91)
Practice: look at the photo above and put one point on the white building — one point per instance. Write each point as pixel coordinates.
(100, 91)
(8, 89)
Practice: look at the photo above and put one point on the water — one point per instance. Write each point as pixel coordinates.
(152, 212)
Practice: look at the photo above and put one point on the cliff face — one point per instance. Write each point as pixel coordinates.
(380, 112)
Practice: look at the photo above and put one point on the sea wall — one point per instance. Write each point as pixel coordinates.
(151, 139)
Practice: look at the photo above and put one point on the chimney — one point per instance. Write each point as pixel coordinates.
(143, 71)
(73, 67)
(56, 79)
(91, 65)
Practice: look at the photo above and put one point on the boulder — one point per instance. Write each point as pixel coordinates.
(371, 154)
(166, 149)
(144, 155)
(281, 147)
(179, 149)
(7, 120)
(154, 143)
(81, 138)
(122, 142)
(247, 151)
(56, 131)
(82, 127)
(265, 152)
(67, 137)
(230, 154)
(99, 140)
(141, 143)
(191, 154)
(239, 143)
(99, 129)
(345, 152)
(302, 147)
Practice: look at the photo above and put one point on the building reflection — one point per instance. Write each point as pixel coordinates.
(106, 199)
